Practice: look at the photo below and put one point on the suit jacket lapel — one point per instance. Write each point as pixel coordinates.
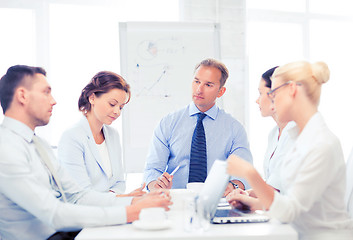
(92, 144)
(111, 148)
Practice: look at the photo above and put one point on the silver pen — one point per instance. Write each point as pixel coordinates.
(175, 169)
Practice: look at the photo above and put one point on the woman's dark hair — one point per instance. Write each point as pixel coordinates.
(101, 83)
(266, 76)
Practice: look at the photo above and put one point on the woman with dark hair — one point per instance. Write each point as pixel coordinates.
(91, 149)
(279, 141)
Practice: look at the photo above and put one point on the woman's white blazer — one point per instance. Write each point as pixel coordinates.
(78, 153)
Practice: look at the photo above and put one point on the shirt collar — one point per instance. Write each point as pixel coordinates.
(304, 138)
(290, 129)
(18, 128)
(310, 129)
(293, 131)
(212, 112)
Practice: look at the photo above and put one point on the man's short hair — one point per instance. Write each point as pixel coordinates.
(12, 79)
(210, 62)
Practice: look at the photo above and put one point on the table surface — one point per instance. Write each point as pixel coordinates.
(241, 231)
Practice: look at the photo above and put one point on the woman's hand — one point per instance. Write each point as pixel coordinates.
(138, 191)
(240, 199)
(264, 193)
(238, 167)
(251, 193)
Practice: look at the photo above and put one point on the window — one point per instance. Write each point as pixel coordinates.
(277, 34)
(80, 47)
(277, 5)
(73, 41)
(83, 44)
(328, 7)
(17, 42)
(331, 41)
(267, 41)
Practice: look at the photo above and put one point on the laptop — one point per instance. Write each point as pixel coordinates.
(212, 192)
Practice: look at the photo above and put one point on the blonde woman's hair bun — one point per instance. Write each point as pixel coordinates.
(321, 73)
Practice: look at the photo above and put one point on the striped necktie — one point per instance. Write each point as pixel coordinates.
(198, 154)
(46, 160)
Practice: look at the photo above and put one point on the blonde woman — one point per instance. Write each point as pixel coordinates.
(313, 172)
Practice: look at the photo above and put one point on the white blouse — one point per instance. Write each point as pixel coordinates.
(313, 175)
(349, 188)
(106, 164)
(275, 153)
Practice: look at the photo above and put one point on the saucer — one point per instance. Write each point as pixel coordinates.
(143, 225)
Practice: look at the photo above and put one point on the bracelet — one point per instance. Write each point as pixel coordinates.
(234, 185)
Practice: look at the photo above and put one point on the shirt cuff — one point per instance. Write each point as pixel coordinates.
(115, 215)
(124, 201)
(246, 184)
(276, 209)
(117, 190)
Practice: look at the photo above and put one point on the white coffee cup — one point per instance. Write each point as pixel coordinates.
(155, 214)
(195, 186)
(178, 196)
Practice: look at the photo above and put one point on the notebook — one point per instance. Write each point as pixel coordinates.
(212, 192)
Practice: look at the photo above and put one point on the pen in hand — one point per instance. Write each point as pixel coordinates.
(165, 180)
(175, 169)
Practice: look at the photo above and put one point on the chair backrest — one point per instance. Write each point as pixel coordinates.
(349, 189)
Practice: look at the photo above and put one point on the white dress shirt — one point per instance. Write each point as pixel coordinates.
(30, 207)
(313, 178)
(349, 189)
(275, 153)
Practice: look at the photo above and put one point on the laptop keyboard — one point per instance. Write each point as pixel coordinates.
(227, 213)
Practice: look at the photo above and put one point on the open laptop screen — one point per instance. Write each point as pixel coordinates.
(215, 185)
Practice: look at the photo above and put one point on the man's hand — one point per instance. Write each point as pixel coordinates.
(165, 181)
(228, 190)
(157, 198)
(231, 187)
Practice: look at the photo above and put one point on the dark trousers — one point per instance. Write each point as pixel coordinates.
(64, 235)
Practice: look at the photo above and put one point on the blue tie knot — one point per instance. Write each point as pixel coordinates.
(200, 116)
